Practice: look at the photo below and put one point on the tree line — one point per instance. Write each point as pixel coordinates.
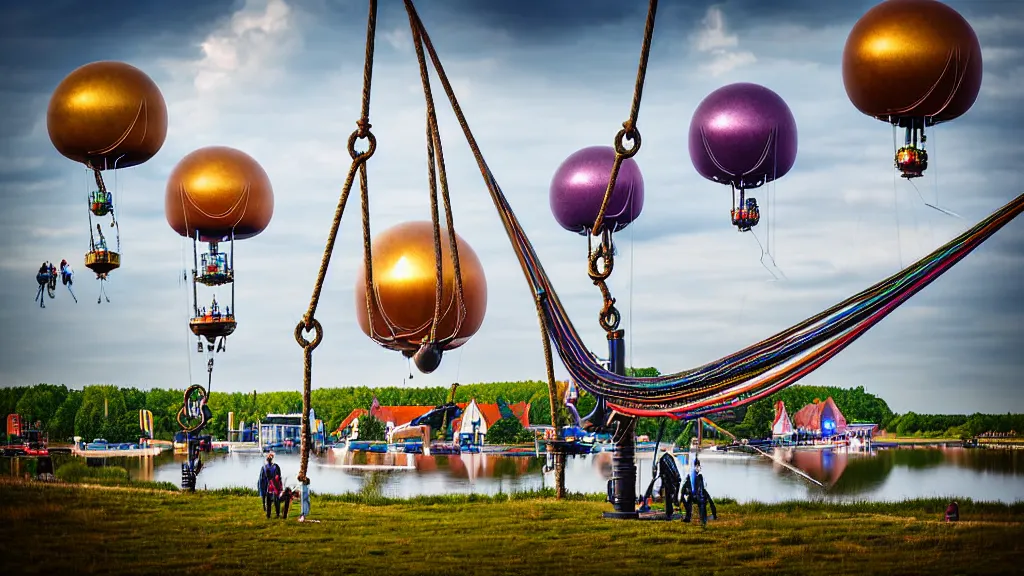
(110, 412)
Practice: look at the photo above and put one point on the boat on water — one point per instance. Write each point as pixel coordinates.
(100, 448)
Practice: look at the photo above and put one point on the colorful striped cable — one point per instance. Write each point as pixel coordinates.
(752, 373)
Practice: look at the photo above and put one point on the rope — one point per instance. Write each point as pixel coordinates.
(505, 217)
(434, 146)
(629, 129)
(309, 323)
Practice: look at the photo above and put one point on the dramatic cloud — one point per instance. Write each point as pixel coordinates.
(282, 81)
(721, 46)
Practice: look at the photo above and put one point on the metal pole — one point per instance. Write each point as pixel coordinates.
(195, 270)
(234, 312)
(623, 459)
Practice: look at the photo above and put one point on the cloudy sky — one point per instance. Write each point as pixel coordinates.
(280, 79)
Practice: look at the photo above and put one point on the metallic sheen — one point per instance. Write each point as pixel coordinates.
(405, 278)
(912, 59)
(217, 189)
(107, 114)
(578, 187)
(743, 134)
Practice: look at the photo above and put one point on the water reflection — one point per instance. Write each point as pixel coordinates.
(882, 475)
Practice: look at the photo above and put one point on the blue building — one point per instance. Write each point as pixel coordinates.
(284, 432)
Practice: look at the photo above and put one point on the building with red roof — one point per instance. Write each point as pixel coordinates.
(821, 419)
(398, 415)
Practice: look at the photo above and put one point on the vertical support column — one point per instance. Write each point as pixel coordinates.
(623, 460)
(195, 271)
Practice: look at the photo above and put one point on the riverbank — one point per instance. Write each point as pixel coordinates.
(131, 531)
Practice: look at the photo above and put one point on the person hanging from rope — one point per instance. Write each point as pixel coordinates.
(51, 284)
(101, 245)
(66, 273)
(67, 276)
(43, 279)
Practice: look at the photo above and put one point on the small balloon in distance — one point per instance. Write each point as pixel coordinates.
(218, 191)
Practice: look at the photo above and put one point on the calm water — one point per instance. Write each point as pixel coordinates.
(884, 475)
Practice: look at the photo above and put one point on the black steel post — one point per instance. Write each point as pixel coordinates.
(623, 459)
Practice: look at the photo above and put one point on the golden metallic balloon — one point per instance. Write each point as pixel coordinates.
(405, 279)
(108, 115)
(912, 59)
(216, 190)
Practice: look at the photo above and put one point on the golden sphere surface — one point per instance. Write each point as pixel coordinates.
(218, 189)
(405, 279)
(108, 115)
(912, 59)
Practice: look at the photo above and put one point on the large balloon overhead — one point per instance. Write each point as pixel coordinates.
(578, 188)
(405, 280)
(743, 135)
(912, 59)
(913, 63)
(107, 115)
(220, 192)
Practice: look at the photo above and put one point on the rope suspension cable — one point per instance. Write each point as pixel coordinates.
(309, 323)
(629, 128)
(435, 156)
(539, 296)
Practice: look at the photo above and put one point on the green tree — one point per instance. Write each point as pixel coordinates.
(40, 402)
(370, 428)
(508, 431)
(62, 426)
(908, 425)
(101, 408)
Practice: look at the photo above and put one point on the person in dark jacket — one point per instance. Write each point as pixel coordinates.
(270, 485)
(686, 498)
(700, 492)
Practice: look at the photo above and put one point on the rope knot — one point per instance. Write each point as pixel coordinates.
(364, 127)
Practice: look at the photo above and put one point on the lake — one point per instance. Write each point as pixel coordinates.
(881, 475)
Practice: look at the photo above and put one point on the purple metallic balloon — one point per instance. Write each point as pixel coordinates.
(743, 134)
(578, 188)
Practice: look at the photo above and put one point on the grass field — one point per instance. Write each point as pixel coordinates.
(69, 529)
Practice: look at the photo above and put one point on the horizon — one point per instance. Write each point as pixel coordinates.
(280, 80)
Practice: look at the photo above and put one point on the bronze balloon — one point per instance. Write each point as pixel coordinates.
(405, 280)
(107, 115)
(909, 59)
(217, 190)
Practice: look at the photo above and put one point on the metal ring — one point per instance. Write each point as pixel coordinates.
(620, 147)
(610, 319)
(371, 139)
(318, 334)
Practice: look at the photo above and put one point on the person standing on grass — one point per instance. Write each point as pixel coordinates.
(270, 485)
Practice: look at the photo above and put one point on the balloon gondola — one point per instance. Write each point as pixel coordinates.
(912, 64)
(216, 194)
(743, 135)
(108, 116)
